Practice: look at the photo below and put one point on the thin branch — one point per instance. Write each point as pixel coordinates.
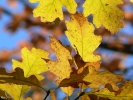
(48, 92)
(79, 95)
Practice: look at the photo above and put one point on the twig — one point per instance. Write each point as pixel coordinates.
(79, 95)
(48, 92)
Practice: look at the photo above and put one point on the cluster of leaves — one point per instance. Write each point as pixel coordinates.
(81, 35)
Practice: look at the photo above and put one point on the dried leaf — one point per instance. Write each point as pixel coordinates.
(17, 77)
(20, 83)
(96, 65)
(74, 79)
(62, 67)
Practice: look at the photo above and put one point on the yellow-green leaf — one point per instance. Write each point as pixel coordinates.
(106, 13)
(49, 10)
(15, 91)
(32, 63)
(81, 34)
(61, 67)
(97, 79)
(125, 92)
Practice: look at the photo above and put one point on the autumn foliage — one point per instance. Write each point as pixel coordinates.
(78, 71)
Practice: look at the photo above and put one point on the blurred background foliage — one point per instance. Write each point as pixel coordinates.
(19, 29)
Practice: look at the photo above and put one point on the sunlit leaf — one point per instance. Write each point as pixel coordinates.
(81, 34)
(15, 91)
(49, 10)
(32, 63)
(61, 67)
(106, 13)
(125, 92)
(97, 79)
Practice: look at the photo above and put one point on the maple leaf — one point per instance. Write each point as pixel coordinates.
(125, 92)
(15, 91)
(32, 63)
(81, 34)
(62, 67)
(49, 10)
(97, 79)
(103, 12)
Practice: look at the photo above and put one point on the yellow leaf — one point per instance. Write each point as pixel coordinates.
(125, 92)
(68, 90)
(97, 79)
(84, 97)
(15, 91)
(32, 63)
(81, 34)
(49, 10)
(61, 68)
(105, 13)
(131, 0)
